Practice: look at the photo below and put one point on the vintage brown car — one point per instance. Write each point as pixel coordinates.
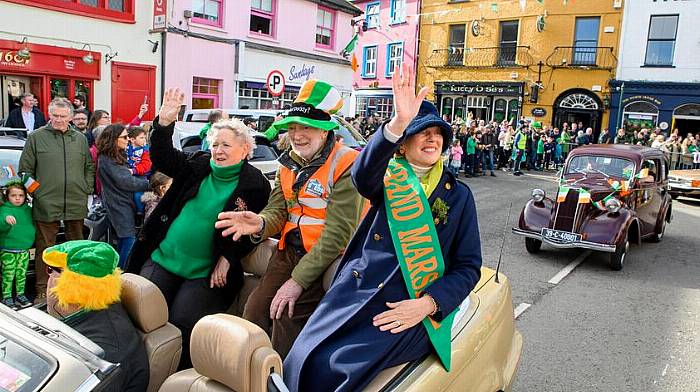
(608, 197)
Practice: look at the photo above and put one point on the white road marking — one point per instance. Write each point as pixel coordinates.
(663, 373)
(551, 178)
(520, 309)
(570, 267)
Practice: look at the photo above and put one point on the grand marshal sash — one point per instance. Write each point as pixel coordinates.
(416, 244)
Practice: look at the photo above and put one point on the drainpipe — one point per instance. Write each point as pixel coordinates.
(619, 107)
(162, 65)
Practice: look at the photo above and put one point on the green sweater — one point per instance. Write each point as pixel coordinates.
(21, 235)
(187, 248)
(540, 146)
(471, 146)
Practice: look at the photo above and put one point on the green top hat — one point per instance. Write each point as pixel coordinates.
(83, 257)
(313, 107)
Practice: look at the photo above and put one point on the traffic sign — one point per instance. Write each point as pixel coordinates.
(275, 83)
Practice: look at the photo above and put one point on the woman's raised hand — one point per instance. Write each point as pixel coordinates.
(406, 102)
(172, 100)
(239, 223)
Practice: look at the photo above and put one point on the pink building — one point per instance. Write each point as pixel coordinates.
(222, 51)
(391, 38)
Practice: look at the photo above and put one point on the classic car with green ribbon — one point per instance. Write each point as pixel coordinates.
(607, 197)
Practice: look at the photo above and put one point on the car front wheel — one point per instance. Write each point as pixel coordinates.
(532, 245)
(617, 259)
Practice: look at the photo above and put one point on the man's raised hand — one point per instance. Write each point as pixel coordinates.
(172, 101)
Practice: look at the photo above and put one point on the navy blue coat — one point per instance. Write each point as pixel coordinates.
(339, 348)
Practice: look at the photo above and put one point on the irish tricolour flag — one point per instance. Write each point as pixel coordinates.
(584, 196)
(561, 195)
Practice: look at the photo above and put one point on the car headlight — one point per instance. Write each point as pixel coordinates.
(613, 205)
(538, 195)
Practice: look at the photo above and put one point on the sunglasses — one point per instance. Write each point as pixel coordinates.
(50, 269)
(125, 137)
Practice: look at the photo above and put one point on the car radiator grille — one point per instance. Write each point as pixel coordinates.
(566, 212)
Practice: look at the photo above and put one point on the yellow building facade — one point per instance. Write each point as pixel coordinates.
(549, 61)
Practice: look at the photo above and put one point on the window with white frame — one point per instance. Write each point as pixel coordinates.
(262, 17)
(372, 15)
(398, 11)
(207, 11)
(369, 61)
(661, 41)
(394, 57)
(325, 23)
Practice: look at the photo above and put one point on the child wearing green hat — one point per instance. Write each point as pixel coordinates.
(16, 238)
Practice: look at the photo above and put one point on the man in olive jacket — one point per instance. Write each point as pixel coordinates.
(57, 157)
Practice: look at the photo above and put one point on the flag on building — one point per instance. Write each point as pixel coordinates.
(353, 63)
(350, 47)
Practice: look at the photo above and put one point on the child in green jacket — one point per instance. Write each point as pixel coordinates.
(16, 238)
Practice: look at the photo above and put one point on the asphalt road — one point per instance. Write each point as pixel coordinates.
(597, 329)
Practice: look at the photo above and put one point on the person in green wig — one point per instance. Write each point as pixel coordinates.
(84, 291)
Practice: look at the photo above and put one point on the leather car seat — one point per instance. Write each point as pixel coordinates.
(228, 354)
(149, 312)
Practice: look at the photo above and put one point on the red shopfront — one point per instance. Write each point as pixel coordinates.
(50, 72)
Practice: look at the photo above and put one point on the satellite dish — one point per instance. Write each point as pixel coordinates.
(540, 23)
(476, 28)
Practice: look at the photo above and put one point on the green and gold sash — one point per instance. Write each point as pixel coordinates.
(416, 244)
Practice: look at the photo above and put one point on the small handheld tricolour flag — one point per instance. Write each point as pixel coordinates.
(9, 171)
(561, 195)
(30, 184)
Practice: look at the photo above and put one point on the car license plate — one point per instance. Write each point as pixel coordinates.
(563, 237)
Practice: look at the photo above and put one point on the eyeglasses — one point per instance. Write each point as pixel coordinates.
(50, 269)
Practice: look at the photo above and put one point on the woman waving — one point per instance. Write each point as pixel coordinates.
(413, 260)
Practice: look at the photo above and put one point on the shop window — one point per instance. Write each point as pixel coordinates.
(369, 62)
(447, 106)
(508, 43)
(59, 88)
(640, 114)
(586, 41)
(207, 12)
(513, 110)
(262, 17)
(372, 15)
(394, 57)
(325, 24)
(661, 42)
(205, 93)
(116, 10)
(499, 109)
(260, 98)
(455, 54)
(459, 108)
(397, 12)
(368, 106)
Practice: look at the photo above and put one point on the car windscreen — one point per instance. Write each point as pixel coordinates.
(9, 164)
(610, 166)
(263, 153)
(21, 368)
(348, 140)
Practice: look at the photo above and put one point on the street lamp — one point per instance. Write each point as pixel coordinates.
(621, 89)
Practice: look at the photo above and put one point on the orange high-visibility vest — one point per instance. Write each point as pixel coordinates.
(307, 209)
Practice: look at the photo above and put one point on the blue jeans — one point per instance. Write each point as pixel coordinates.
(124, 245)
(487, 157)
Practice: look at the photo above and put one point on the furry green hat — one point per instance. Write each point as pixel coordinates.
(313, 107)
(89, 277)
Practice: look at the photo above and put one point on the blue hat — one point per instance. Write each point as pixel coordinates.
(427, 117)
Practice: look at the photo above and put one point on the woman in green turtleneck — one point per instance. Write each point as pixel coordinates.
(179, 250)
